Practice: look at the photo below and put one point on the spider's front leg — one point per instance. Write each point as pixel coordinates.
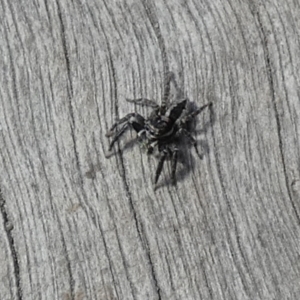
(143, 102)
(132, 120)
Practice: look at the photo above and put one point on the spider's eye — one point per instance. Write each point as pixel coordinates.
(160, 124)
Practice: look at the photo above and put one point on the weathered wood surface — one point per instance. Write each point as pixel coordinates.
(75, 225)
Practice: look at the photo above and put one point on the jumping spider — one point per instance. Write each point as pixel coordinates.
(162, 129)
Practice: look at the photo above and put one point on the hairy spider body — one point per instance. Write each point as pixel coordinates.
(161, 130)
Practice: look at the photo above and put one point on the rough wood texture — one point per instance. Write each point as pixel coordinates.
(75, 225)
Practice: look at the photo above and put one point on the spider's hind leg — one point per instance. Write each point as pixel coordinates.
(192, 140)
(160, 165)
(193, 114)
(174, 156)
(173, 165)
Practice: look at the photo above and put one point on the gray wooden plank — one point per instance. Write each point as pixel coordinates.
(88, 227)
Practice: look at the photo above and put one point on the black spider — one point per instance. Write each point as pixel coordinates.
(162, 129)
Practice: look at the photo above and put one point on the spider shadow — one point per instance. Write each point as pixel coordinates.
(208, 124)
(177, 93)
(186, 163)
(130, 143)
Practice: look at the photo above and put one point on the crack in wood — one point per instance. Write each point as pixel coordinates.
(8, 227)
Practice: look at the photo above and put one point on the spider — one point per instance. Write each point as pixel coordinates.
(162, 129)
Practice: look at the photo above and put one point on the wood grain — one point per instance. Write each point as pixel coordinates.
(75, 225)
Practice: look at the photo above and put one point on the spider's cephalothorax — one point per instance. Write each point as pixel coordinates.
(161, 129)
